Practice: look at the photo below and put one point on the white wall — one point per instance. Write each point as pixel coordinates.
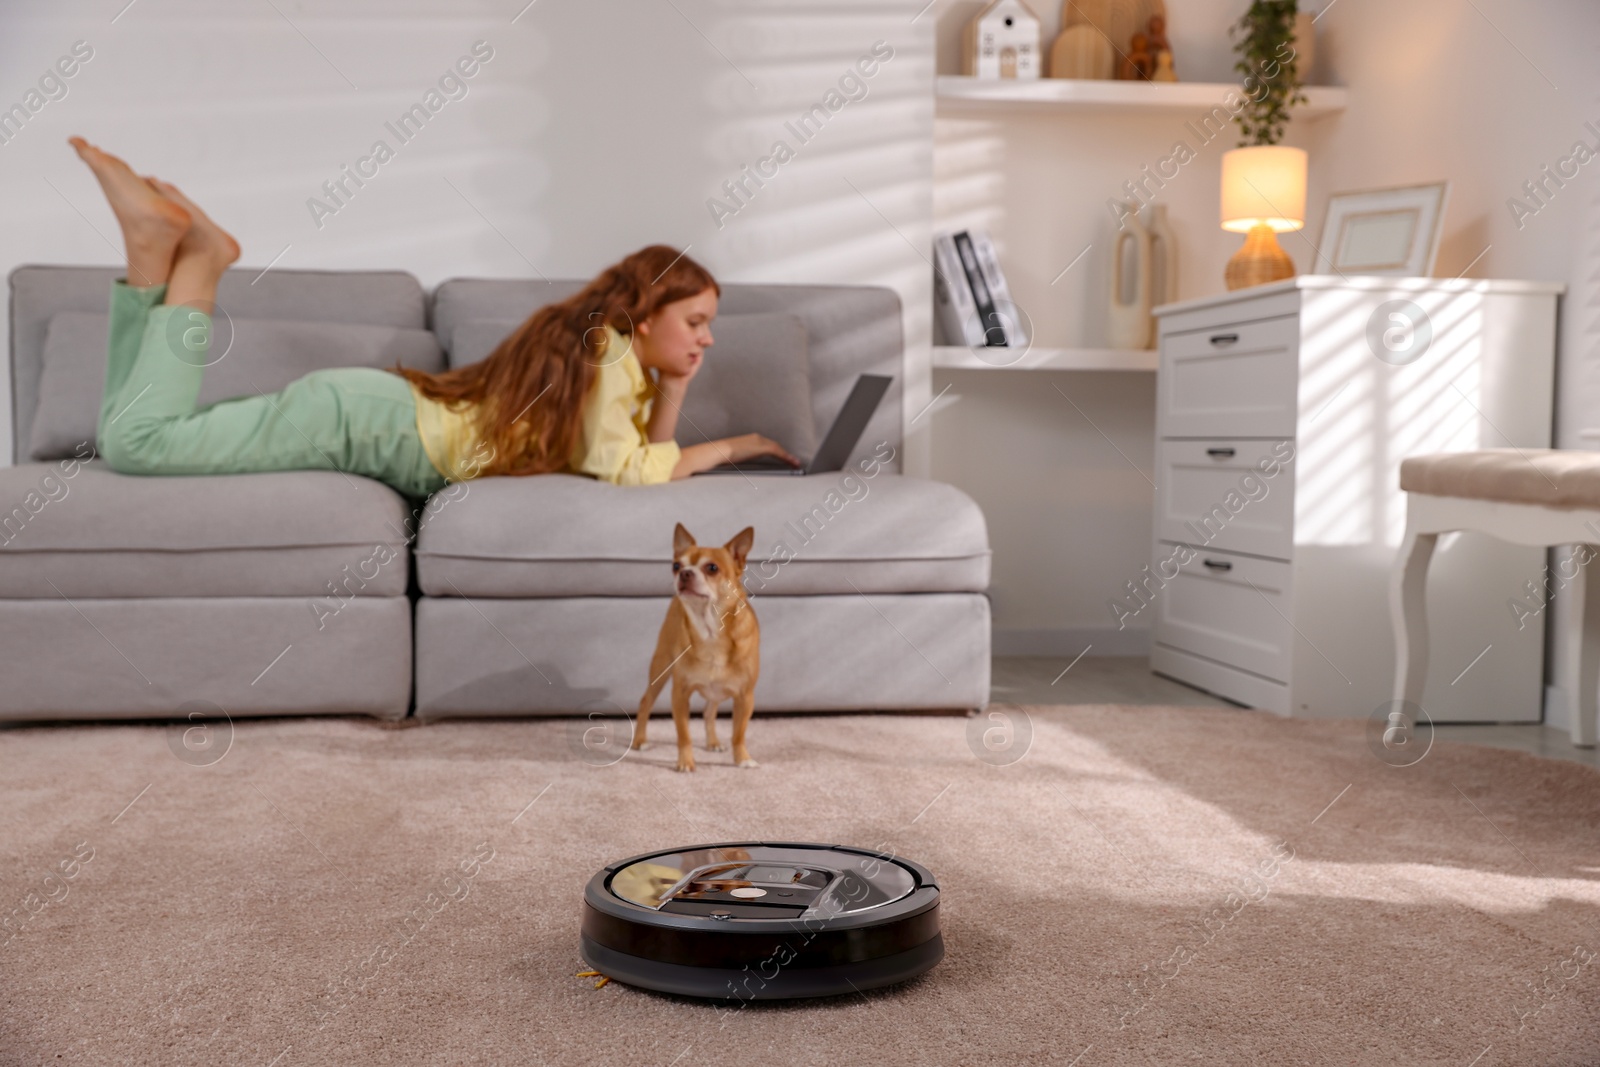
(1438, 89)
(597, 127)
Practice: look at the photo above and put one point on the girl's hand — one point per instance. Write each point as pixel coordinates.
(677, 384)
(751, 445)
(708, 454)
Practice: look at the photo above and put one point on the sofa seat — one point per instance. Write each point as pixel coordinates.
(568, 536)
(79, 530)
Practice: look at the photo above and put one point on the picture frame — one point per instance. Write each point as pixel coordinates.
(1385, 231)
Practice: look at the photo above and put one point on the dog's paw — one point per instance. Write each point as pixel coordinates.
(640, 746)
(686, 763)
(716, 746)
(748, 762)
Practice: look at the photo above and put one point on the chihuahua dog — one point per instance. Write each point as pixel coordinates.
(710, 644)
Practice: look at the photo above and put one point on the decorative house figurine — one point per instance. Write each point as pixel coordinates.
(1002, 42)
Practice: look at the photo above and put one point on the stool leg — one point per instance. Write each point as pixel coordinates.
(1408, 608)
(1582, 681)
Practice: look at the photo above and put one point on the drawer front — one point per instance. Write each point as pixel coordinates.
(1228, 608)
(1230, 381)
(1227, 493)
(1241, 305)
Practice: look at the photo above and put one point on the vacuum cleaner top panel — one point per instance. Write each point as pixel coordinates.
(764, 882)
(762, 920)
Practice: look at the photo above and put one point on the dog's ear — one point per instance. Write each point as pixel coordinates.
(681, 539)
(740, 545)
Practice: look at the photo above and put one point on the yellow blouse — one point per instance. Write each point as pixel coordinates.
(613, 441)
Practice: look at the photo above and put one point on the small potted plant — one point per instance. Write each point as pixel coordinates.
(1263, 182)
(1264, 39)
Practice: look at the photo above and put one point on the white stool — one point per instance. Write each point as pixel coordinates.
(1525, 496)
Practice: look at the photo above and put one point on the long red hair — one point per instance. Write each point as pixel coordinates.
(527, 395)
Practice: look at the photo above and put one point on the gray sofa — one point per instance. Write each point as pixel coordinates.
(317, 592)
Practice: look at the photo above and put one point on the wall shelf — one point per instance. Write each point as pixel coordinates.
(960, 357)
(959, 94)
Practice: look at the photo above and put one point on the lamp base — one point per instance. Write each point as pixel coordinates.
(1259, 260)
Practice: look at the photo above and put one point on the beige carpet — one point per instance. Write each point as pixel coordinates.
(255, 911)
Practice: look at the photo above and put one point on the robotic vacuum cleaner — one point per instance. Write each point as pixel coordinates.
(759, 921)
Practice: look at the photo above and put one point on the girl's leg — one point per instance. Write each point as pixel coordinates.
(354, 420)
(152, 227)
(160, 383)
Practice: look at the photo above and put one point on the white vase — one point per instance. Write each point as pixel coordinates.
(1163, 257)
(1128, 321)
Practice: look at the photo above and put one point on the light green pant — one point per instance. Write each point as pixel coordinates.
(354, 419)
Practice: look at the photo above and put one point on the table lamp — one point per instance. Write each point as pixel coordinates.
(1263, 192)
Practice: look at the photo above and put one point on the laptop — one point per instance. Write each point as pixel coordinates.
(842, 438)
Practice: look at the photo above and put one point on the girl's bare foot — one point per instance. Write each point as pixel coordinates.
(204, 254)
(152, 224)
(205, 238)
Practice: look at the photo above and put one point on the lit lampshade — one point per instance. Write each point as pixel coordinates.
(1263, 193)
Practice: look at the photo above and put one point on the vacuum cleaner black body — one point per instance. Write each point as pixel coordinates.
(762, 921)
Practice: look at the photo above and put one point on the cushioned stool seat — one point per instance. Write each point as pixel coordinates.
(1550, 477)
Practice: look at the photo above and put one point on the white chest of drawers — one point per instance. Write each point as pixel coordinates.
(1283, 413)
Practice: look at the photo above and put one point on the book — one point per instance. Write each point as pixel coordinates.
(972, 301)
(955, 313)
(1008, 317)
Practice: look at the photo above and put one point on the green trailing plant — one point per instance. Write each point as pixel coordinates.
(1264, 41)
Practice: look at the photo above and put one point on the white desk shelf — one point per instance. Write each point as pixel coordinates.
(959, 94)
(960, 357)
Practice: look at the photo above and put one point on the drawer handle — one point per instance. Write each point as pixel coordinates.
(1220, 453)
(1224, 338)
(1219, 564)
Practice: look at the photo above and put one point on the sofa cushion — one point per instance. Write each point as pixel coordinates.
(265, 355)
(755, 379)
(562, 535)
(76, 529)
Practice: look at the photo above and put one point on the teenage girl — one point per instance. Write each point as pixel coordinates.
(569, 390)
